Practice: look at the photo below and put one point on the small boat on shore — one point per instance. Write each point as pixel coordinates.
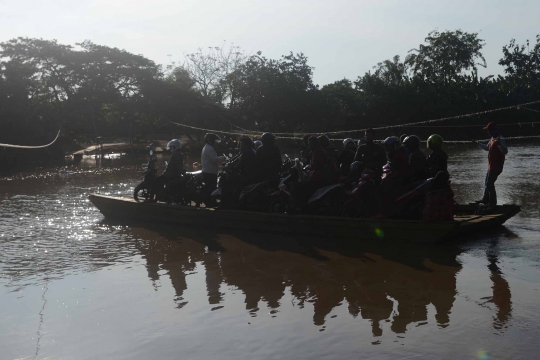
(467, 220)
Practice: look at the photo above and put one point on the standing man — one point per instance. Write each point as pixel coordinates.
(497, 150)
(210, 166)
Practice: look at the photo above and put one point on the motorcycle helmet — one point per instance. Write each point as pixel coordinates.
(210, 138)
(434, 142)
(402, 138)
(268, 138)
(257, 144)
(412, 142)
(174, 145)
(324, 141)
(355, 169)
(391, 143)
(349, 142)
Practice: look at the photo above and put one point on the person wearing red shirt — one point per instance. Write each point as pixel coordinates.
(497, 151)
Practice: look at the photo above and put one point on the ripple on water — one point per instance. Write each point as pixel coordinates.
(260, 294)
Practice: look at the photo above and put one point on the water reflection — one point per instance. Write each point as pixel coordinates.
(502, 297)
(378, 282)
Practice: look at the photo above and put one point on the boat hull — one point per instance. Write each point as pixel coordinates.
(330, 227)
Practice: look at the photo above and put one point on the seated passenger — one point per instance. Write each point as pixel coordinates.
(417, 160)
(397, 156)
(268, 158)
(306, 151)
(439, 202)
(324, 142)
(302, 191)
(390, 186)
(346, 157)
(173, 171)
(245, 166)
(369, 153)
(437, 160)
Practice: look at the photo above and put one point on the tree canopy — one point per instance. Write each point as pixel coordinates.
(93, 90)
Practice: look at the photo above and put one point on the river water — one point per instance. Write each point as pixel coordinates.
(76, 286)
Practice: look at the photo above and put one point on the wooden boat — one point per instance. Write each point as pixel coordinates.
(465, 221)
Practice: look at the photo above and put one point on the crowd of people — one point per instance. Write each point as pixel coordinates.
(398, 163)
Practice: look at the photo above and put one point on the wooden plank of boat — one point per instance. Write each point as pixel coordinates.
(478, 222)
(331, 227)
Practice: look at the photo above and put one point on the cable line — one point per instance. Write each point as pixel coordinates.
(29, 146)
(299, 135)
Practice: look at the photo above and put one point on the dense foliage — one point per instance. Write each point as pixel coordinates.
(92, 90)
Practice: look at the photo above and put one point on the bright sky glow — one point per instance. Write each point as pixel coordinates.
(341, 38)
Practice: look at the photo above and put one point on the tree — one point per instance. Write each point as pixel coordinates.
(446, 56)
(274, 94)
(522, 68)
(210, 70)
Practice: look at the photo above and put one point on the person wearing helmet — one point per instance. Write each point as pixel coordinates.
(497, 151)
(173, 170)
(396, 155)
(257, 144)
(247, 164)
(268, 158)
(210, 166)
(245, 167)
(346, 157)
(324, 141)
(390, 186)
(302, 191)
(437, 160)
(417, 169)
(371, 154)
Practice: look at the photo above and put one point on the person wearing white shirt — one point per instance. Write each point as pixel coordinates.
(210, 166)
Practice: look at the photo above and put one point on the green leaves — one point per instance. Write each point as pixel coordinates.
(447, 56)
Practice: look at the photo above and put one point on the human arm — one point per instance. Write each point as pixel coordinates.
(483, 146)
(212, 156)
(502, 145)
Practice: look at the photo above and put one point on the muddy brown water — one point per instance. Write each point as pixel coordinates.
(76, 286)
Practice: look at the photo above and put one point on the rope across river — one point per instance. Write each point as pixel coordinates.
(300, 135)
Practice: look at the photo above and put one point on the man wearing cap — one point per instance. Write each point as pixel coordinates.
(497, 150)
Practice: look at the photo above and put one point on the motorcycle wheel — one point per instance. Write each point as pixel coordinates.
(141, 192)
(279, 205)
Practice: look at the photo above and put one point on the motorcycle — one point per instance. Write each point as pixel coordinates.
(142, 191)
(184, 190)
(227, 174)
(411, 203)
(280, 198)
(329, 200)
(361, 201)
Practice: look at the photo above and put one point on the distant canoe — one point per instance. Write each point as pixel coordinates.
(465, 221)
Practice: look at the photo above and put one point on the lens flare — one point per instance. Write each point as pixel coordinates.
(379, 233)
(482, 355)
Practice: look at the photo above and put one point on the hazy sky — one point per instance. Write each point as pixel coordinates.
(341, 38)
